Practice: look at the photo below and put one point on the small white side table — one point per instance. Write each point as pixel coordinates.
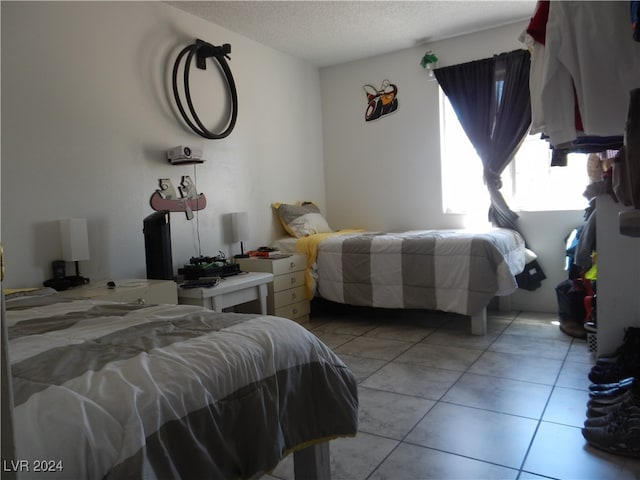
(231, 291)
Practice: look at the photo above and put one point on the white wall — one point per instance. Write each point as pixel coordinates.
(618, 277)
(385, 174)
(87, 116)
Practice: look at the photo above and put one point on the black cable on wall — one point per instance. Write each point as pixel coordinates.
(203, 50)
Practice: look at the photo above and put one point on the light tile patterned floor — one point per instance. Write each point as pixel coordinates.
(439, 403)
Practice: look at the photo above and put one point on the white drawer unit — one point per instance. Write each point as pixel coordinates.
(286, 295)
(140, 291)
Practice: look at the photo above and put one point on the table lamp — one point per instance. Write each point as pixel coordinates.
(75, 243)
(240, 230)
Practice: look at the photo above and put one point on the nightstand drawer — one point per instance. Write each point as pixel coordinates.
(139, 296)
(287, 297)
(284, 282)
(277, 266)
(295, 310)
(142, 291)
(294, 263)
(159, 293)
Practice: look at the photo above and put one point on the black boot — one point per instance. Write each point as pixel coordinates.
(624, 362)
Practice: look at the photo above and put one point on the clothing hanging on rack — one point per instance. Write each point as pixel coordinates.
(570, 68)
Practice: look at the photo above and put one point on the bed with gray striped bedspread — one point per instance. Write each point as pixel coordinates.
(110, 390)
(450, 270)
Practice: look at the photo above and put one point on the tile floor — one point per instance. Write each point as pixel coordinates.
(438, 403)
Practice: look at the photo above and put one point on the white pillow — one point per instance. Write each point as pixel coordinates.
(301, 220)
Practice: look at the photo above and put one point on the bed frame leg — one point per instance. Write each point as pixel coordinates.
(479, 323)
(504, 303)
(312, 463)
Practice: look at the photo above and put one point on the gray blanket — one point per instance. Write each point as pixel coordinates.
(107, 390)
(449, 270)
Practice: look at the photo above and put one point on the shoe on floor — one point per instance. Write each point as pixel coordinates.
(619, 413)
(599, 403)
(618, 437)
(611, 393)
(614, 372)
(597, 387)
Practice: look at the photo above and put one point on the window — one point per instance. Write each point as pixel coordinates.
(529, 182)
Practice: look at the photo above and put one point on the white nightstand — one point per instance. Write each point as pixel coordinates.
(287, 297)
(231, 291)
(130, 290)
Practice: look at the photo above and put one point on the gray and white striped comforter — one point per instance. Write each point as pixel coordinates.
(449, 270)
(110, 390)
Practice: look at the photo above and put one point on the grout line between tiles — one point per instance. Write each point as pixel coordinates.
(546, 405)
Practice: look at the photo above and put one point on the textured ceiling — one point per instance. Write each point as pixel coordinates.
(332, 32)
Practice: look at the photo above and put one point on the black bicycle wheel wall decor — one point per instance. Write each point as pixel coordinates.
(203, 50)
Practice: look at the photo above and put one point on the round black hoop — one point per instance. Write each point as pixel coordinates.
(204, 50)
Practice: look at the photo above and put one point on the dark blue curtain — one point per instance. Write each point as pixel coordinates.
(492, 101)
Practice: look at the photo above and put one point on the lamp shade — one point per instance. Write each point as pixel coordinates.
(239, 226)
(74, 239)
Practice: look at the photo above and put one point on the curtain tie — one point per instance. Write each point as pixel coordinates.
(492, 179)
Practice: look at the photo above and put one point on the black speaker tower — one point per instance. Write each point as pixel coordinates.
(157, 246)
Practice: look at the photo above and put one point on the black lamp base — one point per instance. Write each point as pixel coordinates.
(241, 254)
(65, 283)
